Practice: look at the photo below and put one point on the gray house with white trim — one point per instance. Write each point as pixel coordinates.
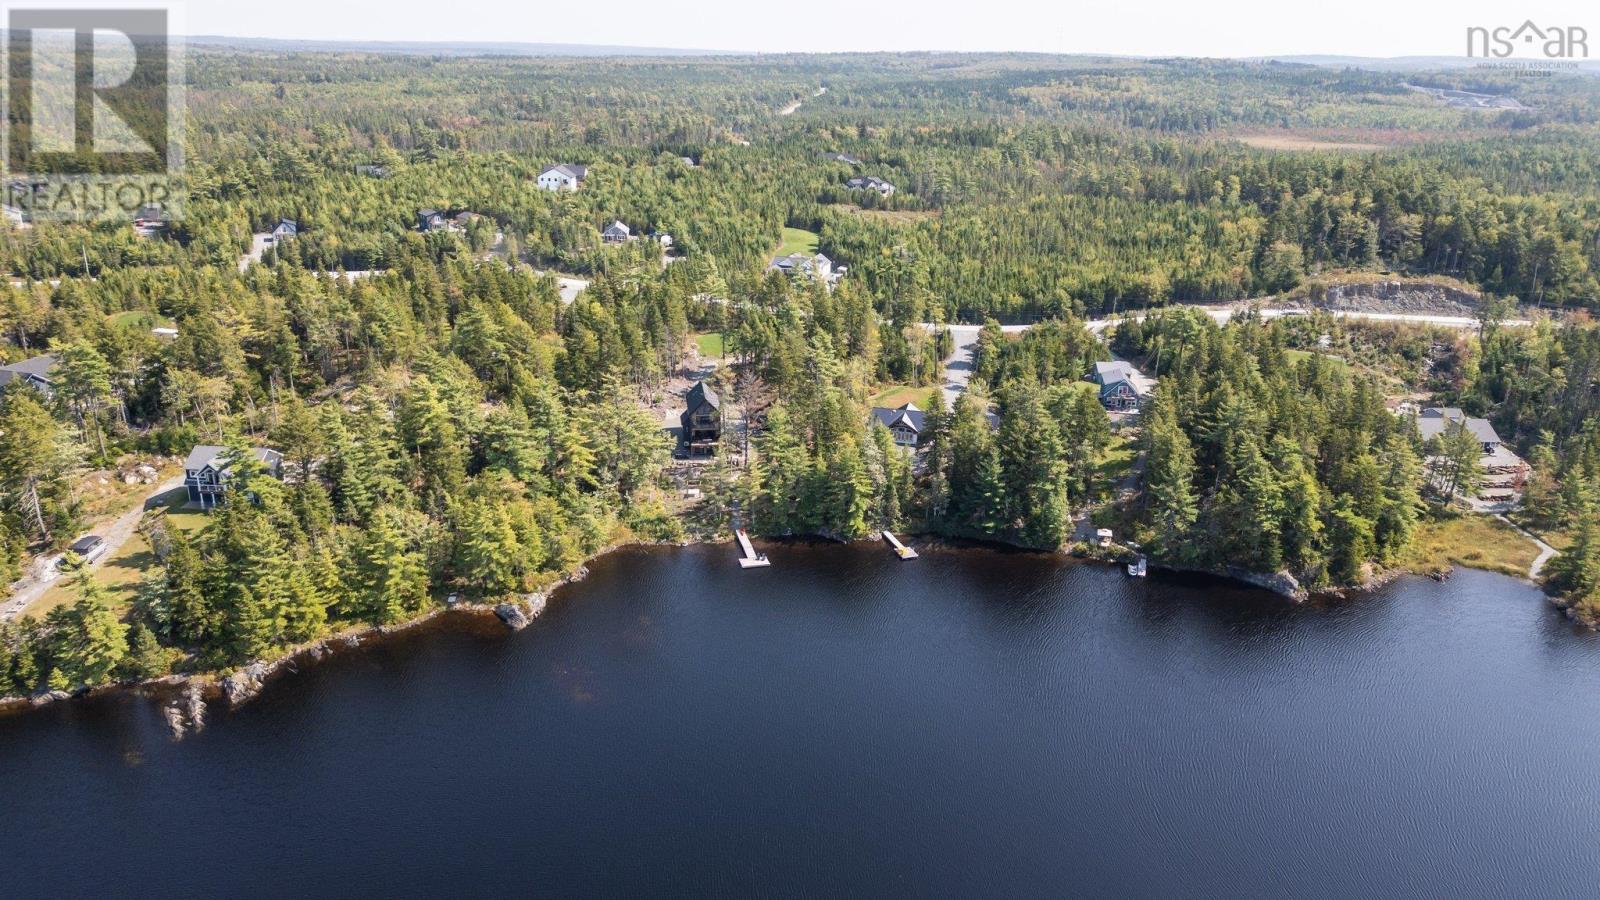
(35, 372)
(205, 471)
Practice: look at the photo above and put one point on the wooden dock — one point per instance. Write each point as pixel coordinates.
(749, 558)
(900, 550)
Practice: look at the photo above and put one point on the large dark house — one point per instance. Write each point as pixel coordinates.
(904, 422)
(36, 373)
(702, 419)
(1117, 389)
(205, 472)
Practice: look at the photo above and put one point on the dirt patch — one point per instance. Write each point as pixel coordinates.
(894, 216)
(1299, 142)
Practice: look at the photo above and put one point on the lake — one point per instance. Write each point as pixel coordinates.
(973, 723)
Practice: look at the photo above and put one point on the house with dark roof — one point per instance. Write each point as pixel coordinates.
(372, 171)
(904, 422)
(205, 471)
(870, 183)
(701, 418)
(563, 177)
(1118, 391)
(429, 219)
(35, 373)
(286, 228)
(1436, 421)
(616, 233)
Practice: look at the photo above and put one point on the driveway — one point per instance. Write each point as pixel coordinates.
(33, 586)
(258, 246)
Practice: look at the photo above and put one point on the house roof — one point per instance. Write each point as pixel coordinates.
(1110, 387)
(868, 181)
(575, 172)
(38, 367)
(702, 393)
(1108, 372)
(427, 212)
(616, 227)
(1436, 419)
(289, 224)
(800, 262)
(209, 455)
(907, 416)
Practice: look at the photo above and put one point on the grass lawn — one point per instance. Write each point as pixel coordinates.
(710, 344)
(124, 568)
(1114, 464)
(900, 394)
(1297, 356)
(1475, 541)
(798, 240)
(139, 319)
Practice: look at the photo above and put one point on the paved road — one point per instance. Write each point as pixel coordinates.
(958, 366)
(31, 588)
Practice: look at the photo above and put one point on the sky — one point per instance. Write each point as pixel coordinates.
(1122, 27)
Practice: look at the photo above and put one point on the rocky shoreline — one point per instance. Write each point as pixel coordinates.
(187, 697)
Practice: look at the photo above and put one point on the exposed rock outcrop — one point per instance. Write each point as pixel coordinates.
(1398, 295)
(247, 682)
(188, 712)
(1278, 582)
(515, 617)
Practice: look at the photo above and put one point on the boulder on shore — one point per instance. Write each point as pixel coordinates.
(513, 616)
(245, 683)
(520, 615)
(1278, 582)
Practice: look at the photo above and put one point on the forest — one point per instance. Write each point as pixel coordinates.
(450, 424)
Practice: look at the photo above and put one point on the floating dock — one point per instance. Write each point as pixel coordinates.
(900, 550)
(748, 557)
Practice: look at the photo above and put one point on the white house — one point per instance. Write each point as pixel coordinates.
(800, 265)
(870, 183)
(565, 177)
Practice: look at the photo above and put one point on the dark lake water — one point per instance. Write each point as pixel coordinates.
(974, 723)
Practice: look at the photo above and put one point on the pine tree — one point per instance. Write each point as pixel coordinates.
(146, 657)
(393, 579)
(95, 641)
(1171, 508)
(191, 619)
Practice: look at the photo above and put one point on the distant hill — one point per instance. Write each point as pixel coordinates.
(1400, 63)
(442, 48)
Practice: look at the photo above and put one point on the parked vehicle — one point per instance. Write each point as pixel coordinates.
(83, 551)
